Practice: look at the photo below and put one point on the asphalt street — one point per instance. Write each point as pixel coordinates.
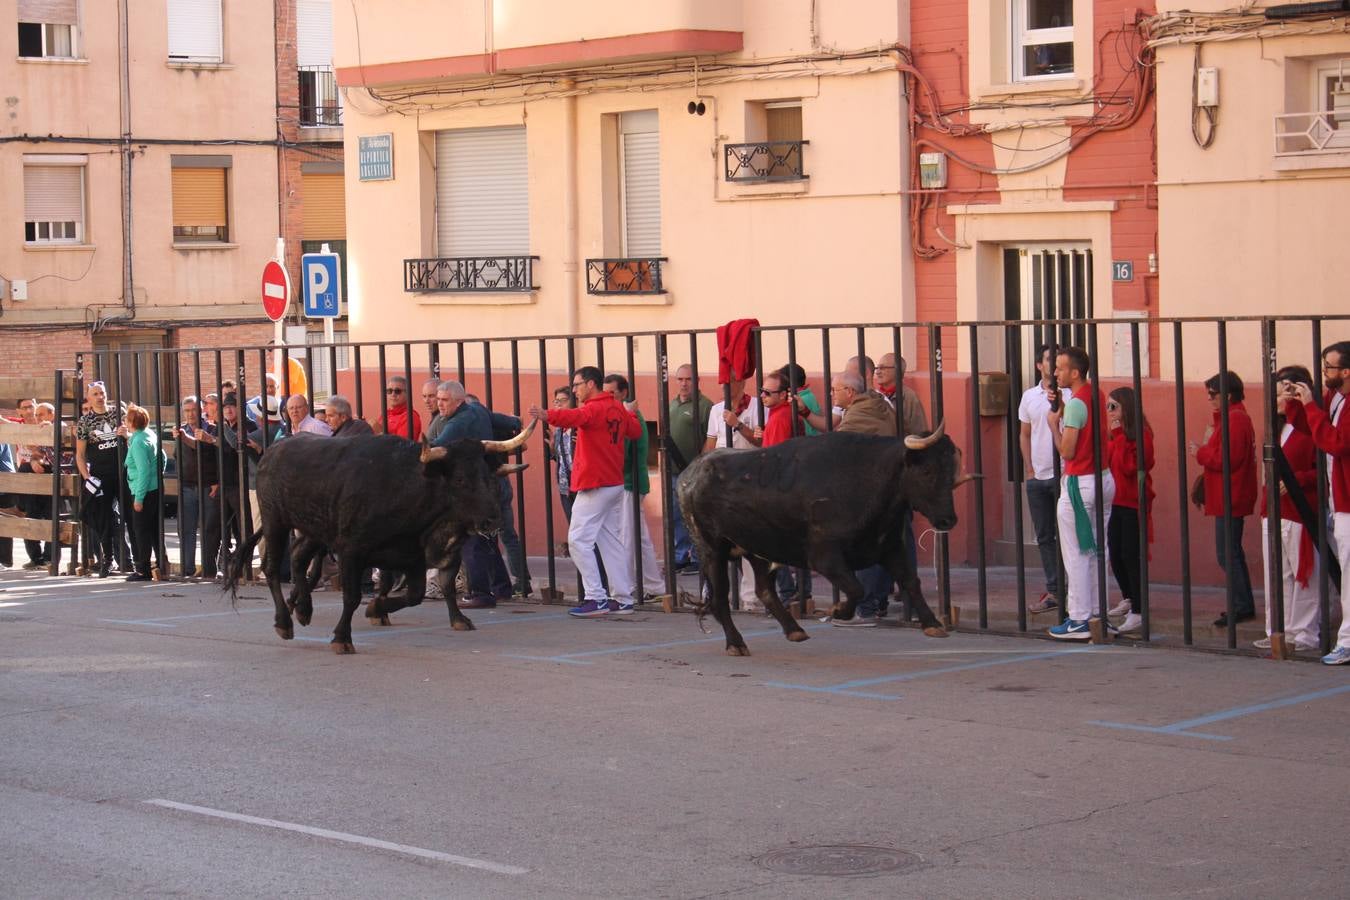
(156, 740)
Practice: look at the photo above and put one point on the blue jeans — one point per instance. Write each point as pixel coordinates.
(1042, 499)
(485, 570)
(876, 582)
(684, 544)
(1235, 564)
(189, 503)
(515, 554)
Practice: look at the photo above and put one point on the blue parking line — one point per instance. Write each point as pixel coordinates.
(849, 688)
(1183, 728)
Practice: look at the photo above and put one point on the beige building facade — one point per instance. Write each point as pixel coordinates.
(145, 157)
(606, 167)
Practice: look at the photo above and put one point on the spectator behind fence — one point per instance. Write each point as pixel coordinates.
(1081, 437)
(299, 421)
(1330, 431)
(888, 380)
(338, 412)
(778, 427)
(97, 442)
(41, 461)
(743, 417)
(636, 486)
(1242, 479)
(254, 405)
(397, 411)
(145, 466)
(688, 418)
(7, 506)
(798, 386)
(198, 488)
(1039, 457)
(559, 445)
(602, 423)
(429, 406)
(1295, 462)
(237, 523)
(1127, 428)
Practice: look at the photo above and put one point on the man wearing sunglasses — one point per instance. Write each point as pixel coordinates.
(395, 419)
(1330, 430)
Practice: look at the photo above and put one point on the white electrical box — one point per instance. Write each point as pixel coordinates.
(932, 170)
(18, 289)
(1207, 87)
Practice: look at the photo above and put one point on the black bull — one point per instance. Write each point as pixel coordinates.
(833, 504)
(376, 500)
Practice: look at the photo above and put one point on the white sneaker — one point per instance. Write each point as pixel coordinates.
(1262, 643)
(1120, 609)
(1132, 622)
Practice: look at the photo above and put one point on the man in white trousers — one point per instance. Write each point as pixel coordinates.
(635, 478)
(602, 424)
(1330, 430)
(1079, 430)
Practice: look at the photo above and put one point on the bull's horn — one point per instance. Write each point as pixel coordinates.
(429, 454)
(512, 445)
(914, 442)
(513, 467)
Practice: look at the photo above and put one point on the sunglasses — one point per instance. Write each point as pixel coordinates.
(393, 390)
(767, 391)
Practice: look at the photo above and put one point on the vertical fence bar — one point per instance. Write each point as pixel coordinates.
(940, 543)
(545, 401)
(203, 489)
(698, 393)
(526, 582)
(411, 432)
(1017, 466)
(1225, 446)
(639, 590)
(803, 573)
(1273, 538)
(1141, 476)
(54, 563)
(359, 393)
(668, 498)
(384, 392)
(1098, 430)
(1183, 481)
(159, 470)
(572, 399)
(976, 447)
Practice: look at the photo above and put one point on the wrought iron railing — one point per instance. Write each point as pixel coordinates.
(1322, 131)
(632, 275)
(319, 106)
(467, 274)
(765, 161)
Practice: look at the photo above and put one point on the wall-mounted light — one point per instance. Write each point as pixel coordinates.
(696, 108)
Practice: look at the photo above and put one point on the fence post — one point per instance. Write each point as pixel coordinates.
(1183, 492)
(1141, 477)
(977, 485)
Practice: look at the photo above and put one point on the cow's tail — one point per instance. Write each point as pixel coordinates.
(243, 554)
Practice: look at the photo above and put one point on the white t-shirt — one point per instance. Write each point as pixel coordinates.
(718, 429)
(1033, 409)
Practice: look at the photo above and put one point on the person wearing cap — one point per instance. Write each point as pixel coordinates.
(254, 405)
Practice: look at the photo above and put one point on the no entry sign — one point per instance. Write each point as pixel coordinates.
(276, 290)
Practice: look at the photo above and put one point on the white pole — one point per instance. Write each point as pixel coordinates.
(328, 320)
(279, 326)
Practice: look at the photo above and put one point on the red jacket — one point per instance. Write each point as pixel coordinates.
(1302, 456)
(396, 422)
(1124, 464)
(1241, 461)
(778, 427)
(602, 424)
(1331, 439)
(736, 350)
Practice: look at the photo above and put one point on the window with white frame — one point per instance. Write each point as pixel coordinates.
(640, 179)
(53, 199)
(1331, 88)
(47, 29)
(200, 189)
(195, 31)
(482, 192)
(1042, 39)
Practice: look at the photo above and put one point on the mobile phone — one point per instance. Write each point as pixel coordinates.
(1056, 398)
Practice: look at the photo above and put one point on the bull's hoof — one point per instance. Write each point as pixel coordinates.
(378, 619)
(738, 651)
(936, 631)
(304, 616)
(342, 647)
(284, 633)
(462, 625)
(290, 604)
(798, 636)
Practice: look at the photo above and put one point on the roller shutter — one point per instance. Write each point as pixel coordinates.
(198, 197)
(325, 211)
(641, 147)
(54, 12)
(53, 193)
(482, 192)
(194, 30)
(314, 33)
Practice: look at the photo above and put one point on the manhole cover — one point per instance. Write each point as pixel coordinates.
(844, 859)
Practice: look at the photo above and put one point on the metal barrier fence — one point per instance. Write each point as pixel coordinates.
(970, 375)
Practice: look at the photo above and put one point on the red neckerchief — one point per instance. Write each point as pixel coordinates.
(887, 390)
(742, 404)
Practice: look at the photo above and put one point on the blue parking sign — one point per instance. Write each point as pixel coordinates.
(322, 279)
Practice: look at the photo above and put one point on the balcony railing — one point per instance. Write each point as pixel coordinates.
(1322, 131)
(764, 161)
(469, 274)
(632, 275)
(319, 105)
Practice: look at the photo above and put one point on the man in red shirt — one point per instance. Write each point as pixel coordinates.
(1330, 430)
(602, 424)
(778, 426)
(395, 420)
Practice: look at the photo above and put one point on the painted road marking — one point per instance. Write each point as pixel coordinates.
(396, 630)
(578, 659)
(850, 688)
(1184, 727)
(469, 861)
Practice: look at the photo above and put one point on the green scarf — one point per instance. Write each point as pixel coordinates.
(1082, 523)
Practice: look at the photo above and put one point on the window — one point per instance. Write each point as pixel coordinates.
(1332, 87)
(640, 181)
(1047, 282)
(783, 120)
(324, 361)
(200, 192)
(53, 199)
(47, 28)
(195, 31)
(1042, 39)
(128, 364)
(482, 193)
(320, 100)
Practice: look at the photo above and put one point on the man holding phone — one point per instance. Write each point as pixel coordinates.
(1039, 458)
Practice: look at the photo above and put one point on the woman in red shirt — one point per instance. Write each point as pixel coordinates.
(1122, 534)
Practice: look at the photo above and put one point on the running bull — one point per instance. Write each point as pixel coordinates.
(832, 504)
(373, 501)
